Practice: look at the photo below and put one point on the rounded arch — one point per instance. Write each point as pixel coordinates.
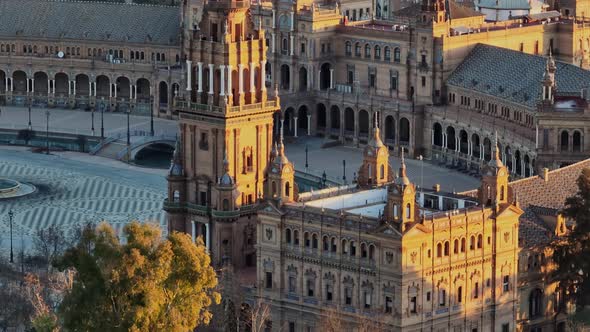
(123, 87)
(527, 165)
(288, 118)
(518, 161)
(451, 141)
(335, 117)
(287, 189)
(302, 117)
(321, 115)
(508, 157)
(2, 77)
(404, 131)
(325, 76)
(463, 142)
(363, 123)
(487, 149)
(103, 86)
(82, 85)
(285, 77)
(564, 140)
(19, 82)
(40, 83)
(397, 55)
(302, 79)
(349, 120)
(577, 141)
(387, 53)
(143, 89)
(163, 88)
(535, 303)
(61, 84)
(475, 143)
(438, 137)
(390, 129)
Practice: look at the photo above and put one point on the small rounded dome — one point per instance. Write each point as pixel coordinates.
(226, 180)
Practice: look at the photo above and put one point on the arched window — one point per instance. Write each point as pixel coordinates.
(357, 49)
(314, 241)
(446, 248)
(577, 143)
(367, 51)
(371, 252)
(352, 248)
(472, 243)
(288, 235)
(535, 303)
(456, 246)
(306, 240)
(462, 244)
(408, 211)
(564, 138)
(364, 252)
(397, 55)
(439, 250)
(382, 172)
(296, 237)
(176, 196)
(287, 189)
(387, 55)
(348, 50)
(377, 52)
(326, 243)
(344, 247)
(479, 241)
(333, 246)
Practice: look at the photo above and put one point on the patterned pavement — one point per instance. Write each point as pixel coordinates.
(72, 192)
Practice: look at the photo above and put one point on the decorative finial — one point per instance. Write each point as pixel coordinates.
(496, 150)
(225, 161)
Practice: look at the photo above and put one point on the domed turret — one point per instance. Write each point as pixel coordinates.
(375, 170)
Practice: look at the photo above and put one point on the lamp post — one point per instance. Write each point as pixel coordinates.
(10, 216)
(128, 129)
(421, 172)
(92, 119)
(324, 178)
(102, 119)
(344, 171)
(306, 160)
(47, 130)
(151, 116)
(30, 126)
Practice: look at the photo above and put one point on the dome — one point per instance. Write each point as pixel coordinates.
(226, 180)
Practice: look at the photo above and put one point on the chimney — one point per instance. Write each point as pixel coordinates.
(436, 187)
(545, 175)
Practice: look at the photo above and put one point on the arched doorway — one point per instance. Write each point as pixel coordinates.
(40, 84)
(508, 157)
(325, 76)
(163, 98)
(389, 129)
(349, 121)
(527, 166)
(564, 140)
(463, 142)
(363, 123)
(103, 86)
(487, 149)
(475, 143)
(302, 79)
(302, 120)
(577, 141)
(451, 141)
(518, 161)
(288, 121)
(285, 77)
(404, 131)
(335, 117)
(437, 132)
(61, 84)
(82, 85)
(143, 90)
(123, 88)
(321, 116)
(19, 82)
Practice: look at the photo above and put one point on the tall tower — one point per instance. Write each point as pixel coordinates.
(494, 181)
(375, 169)
(225, 129)
(281, 176)
(401, 199)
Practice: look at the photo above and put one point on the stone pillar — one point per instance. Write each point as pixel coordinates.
(33, 85)
(252, 83)
(222, 80)
(481, 151)
(211, 72)
(90, 88)
(309, 78)
(48, 87)
(292, 45)
(274, 12)
(131, 91)
(200, 76)
(295, 123)
(355, 139)
(263, 75)
(207, 237)
(319, 80)
(282, 129)
(240, 79)
(189, 73)
(193, 230)
(292, 21)
(74, 90)
(6, 83)
(309, 125)
(331, 78)
(272, 42)
(229, 82)
(115, 89)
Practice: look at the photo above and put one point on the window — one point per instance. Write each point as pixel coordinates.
(535, 303)
(291, 326)
(326, 243)
(521, 47)
(427, 296)
(480, 237)
(329, 291)
(439, 250)
(306, 240)
(348, 296)
(377, 52)
(460, 294)
(268, 280)
(357, 49)
(333, 246)
(476, 290)
(292, 284)
(387, 55)
(352, 248)
(288, 235)
(310, 287)
(372, 80)
(456, 246)
(368, 295)
(314, 241)
(446, 248)
(506, 327)
(423, 81)
(463, 245)
(302, 48)
(442, 297)
(388, 304)
(472, 243)
(413, 304)
(296, 237)
(393, 83)
(204, 142)
(367, 51)
(348, 50)
(396, 55)
(506, 283)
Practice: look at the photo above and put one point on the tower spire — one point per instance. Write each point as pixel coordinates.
(403, 176)
(496, 150)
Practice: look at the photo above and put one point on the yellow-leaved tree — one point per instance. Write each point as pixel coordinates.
(147, 283)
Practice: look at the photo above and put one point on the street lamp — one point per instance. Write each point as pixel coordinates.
(30, 126)
(306, 161)
(152, 115)
(421, 172)
(102, 119)
(92, 118)
(128, 132)
(10, 216)
(324, 178)
(344, 171)
(47, 130)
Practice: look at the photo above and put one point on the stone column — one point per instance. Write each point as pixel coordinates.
(211, 72)
(115, 89)
(355, 139)
(189, 73)
(74, 84)
(309, 78)
(319, 80)
(240, 79)
(207, 240)
(331, 78)
(282, 129)
(263, 75)
(273, 18)
(309, 125)
(222, 80)
(295, 123)
(481, 151)
(252, 83)
(292, 45)
(90, 88)
(193, 233)
(48, 87)
(292, 21)
(131, 91)
(272, 42)
(200, 76)
(33, 85)
(6, 83)
(229, 82)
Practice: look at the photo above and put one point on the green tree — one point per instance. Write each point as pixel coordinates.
(146, 284)
(572, 269)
